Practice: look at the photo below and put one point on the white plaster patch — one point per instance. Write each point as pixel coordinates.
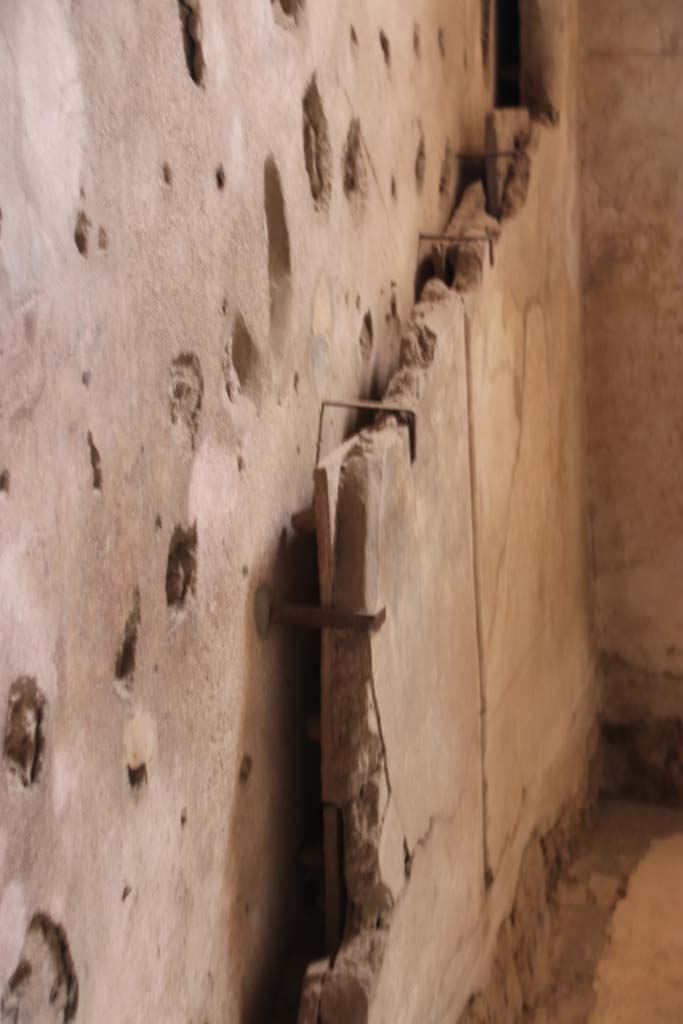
(45, 101)
(12, 928)
(64, 778)
(139, 739)
(214, 490)
(237, 161)
(28, 634)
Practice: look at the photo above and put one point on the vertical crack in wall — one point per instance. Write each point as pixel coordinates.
(481, 654)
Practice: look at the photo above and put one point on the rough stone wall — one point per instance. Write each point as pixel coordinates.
(632, 186)
(202, 206)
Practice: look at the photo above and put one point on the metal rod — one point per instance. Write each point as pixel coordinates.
(492, 155)
(398, 410)
(445, 237)
(327, 618)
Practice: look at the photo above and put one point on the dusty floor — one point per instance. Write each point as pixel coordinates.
(617, 937)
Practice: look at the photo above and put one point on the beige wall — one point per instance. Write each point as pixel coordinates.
(632, 186)
(94, 100)
(125, 274)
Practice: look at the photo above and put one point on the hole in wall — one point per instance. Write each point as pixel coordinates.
(192, 29)
(181, 567)
(366, 336)
(242, 364)
(420, 159)
(288, 12)
(386, 47)
(417, 41)
(95, 464)
(4, 481)
(425, 272)
(137, 776)
(24, 742)
(246, 766)
(279, 259)
(44, 985)
(125, 658)
(186, 392)
(394, 191)
(442, 42)
(81, 232)
(220, 177)
(353, 164)
(317, 149)
(507, 53)
(353, 39)
(167, 173)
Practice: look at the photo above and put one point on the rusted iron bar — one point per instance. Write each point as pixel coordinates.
(309, 617)
(492, 155)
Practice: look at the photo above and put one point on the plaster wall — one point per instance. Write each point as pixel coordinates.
(177, 295)
(144, 214)
(479, 554)
(632, 187)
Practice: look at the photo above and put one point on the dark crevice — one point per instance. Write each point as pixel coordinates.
(508, 41)
(191, 23)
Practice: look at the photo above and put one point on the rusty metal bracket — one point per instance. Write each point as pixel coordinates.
(398, 410)
(267, 611)
(327, 618)
(490, 155)
(458, 239)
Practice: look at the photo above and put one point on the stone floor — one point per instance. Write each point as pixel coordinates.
(617, 948)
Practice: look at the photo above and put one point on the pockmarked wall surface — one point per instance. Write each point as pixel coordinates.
(209, 221)
(209, 216)
(632, 187)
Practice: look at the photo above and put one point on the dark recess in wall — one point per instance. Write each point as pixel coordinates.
(507, 53)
